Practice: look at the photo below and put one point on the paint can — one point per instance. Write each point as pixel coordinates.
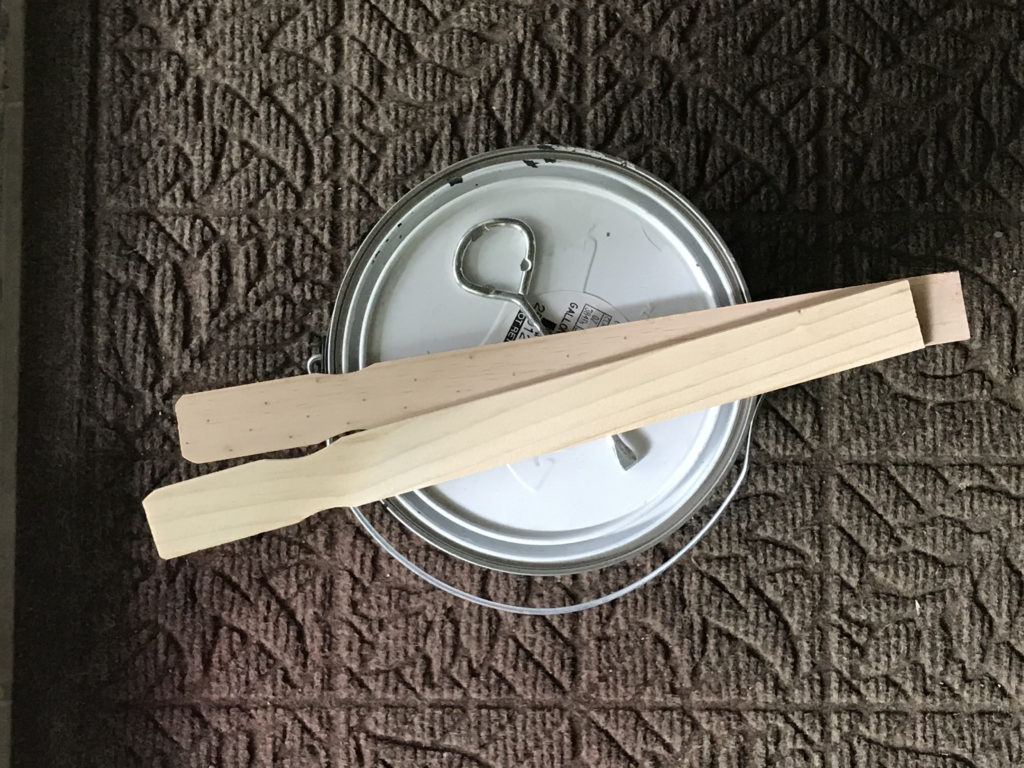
(613, 244)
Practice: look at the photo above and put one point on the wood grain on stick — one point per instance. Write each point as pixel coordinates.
(773, 350)
(304, 410)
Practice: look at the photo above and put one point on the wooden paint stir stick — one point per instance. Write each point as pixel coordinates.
(306, 410)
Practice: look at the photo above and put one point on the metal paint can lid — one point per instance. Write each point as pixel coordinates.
(613, 244)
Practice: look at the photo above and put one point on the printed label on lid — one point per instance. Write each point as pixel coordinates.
(562, 311)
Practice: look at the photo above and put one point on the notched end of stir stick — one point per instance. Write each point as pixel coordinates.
(223, 506)
(262, 417)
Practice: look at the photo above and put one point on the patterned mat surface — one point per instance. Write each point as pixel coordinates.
(198, 173)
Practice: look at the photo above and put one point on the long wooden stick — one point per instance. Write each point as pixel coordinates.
(756, 356)
(304, 410)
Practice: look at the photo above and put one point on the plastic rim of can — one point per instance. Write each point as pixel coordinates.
(349, 345)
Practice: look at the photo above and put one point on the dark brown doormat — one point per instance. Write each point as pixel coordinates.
(198, 173)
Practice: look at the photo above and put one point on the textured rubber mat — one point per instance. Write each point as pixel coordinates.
(198, 173)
